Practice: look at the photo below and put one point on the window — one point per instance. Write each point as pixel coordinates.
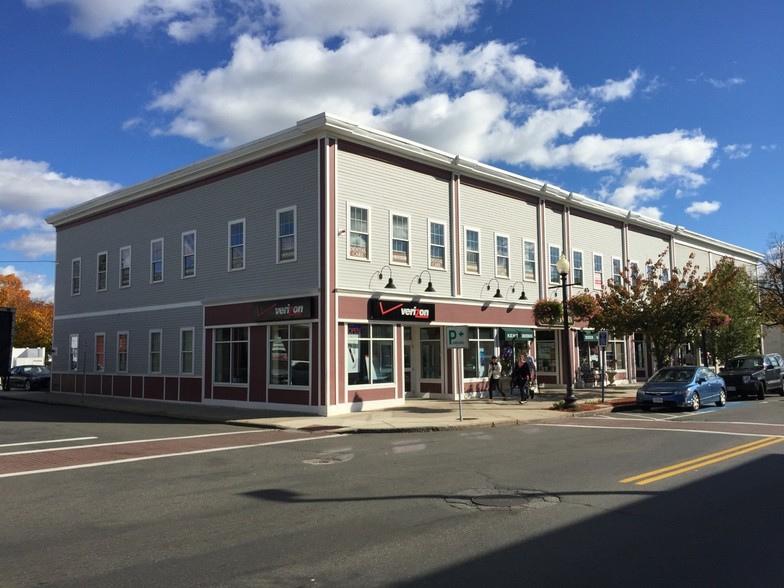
(555, 254)
(122, 352)
(189, 254)
(400, 240)
(598, 271)
(665, 275)
(650, 272)
(437, 245)
(155, 352)
(101, 281)
(236, 245)
(577, 268)
(156, 261)
(125, 267)
(616, 354)
(369, 356)
(430, 346)
(287, 234)
(547, 358)
(502, 256)
(99, 352)
(359, 233)
(472, 251)
(231, 355)
(186, 351)
(529, 261)
(289, 347)
(616, 271)
(76, 276)
(481, 342)
(634, 271)
(73, 352)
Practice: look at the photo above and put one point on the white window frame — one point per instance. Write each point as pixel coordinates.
(100, 366)
(125, 264)
(233, 247)
(634, 272)
(598, 285)
(187, 353)
(151, 353)
(102, 273)
(501, 257)
(433, 247)
(185, 254)
(281, 237)
(578, 270)
(76, 276)
(154, 261)
(529, 261)
(477, 252)
(398, 256)
(553, 277)
(617, 278)
(122, 356)
(351, 250)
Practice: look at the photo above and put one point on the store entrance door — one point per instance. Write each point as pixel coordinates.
(408, 370)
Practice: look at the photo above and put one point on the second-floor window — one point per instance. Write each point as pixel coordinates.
(76, 276)
(502, 256)
(237, 245)
(529, 261)
(577, 268)
(359, 232)
(125, 267)
(472, 251)
(598, 271)
(400, 239)
(616, 271)
(437, 246)
(555, 254)
(101, 278)
(156, 260)
(287, 234)
(189, 254)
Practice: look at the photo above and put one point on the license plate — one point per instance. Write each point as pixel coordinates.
(730, 388)
(658, 400)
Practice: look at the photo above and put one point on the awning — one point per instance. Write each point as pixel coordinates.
(516, 334)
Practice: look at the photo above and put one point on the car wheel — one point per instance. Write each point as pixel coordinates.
(28, 385)
(722, 398)
(695, 402)
(761, 391)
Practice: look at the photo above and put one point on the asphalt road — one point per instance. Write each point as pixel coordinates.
(631, 498)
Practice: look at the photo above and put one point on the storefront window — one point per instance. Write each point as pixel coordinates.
(430, 344)
(231, 355)
(289, 347)
(481, 342)
(616, 354)
(547, 360)
(370, 354)
(639, 352)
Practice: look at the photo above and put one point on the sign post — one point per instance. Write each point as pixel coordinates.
(457, 338)
(602, 350)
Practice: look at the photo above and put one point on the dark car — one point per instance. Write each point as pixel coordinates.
(684, 387)
(753, 375)
(29, 377)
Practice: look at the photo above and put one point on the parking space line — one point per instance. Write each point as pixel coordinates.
(692, 464)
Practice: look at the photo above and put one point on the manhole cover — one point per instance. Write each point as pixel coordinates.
(502, 499)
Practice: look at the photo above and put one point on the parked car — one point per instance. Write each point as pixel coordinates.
(29, 377)
(753, 374)
(685, 387)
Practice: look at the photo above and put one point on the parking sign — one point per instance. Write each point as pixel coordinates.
(602, 338)
(457, 337)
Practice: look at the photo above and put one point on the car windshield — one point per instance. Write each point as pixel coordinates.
(744, 363)
(673, 375)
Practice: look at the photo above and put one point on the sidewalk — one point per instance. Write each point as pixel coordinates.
(416, 416)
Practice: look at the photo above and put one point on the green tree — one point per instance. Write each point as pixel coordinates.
(771, 283)
(33, 317)
(667, 307)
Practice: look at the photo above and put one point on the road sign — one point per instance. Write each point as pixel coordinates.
(457, 337)
(602, 338)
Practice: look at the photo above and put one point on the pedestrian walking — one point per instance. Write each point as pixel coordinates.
(521, 377)
(494, 377)
(532, 367)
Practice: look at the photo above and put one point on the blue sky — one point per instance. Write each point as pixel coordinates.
(673, 109)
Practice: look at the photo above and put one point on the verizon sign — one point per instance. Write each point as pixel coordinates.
(283, 310)
(394, 310)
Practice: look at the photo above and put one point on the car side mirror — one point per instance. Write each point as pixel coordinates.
(701, 380)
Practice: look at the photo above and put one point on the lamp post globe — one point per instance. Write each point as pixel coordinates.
(563, 267)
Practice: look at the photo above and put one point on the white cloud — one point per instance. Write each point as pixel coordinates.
(618, 89)
(728, 83)
(650, 211)
(697, 209)
(32, 186)
(738, 151)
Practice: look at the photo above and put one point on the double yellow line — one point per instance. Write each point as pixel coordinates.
(693, 464)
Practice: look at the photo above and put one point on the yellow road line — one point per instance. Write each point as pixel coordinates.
(692, 464)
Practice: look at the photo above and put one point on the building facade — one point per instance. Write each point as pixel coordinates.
(319, 269)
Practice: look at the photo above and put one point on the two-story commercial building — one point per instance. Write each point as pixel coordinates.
(318, 270)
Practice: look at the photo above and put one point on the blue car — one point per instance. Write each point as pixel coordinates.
(684, 387)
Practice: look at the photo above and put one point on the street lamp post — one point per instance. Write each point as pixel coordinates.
(562, 266)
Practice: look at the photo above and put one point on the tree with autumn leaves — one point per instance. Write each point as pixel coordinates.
(771, 283)
(670, 307)
(34, 318)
